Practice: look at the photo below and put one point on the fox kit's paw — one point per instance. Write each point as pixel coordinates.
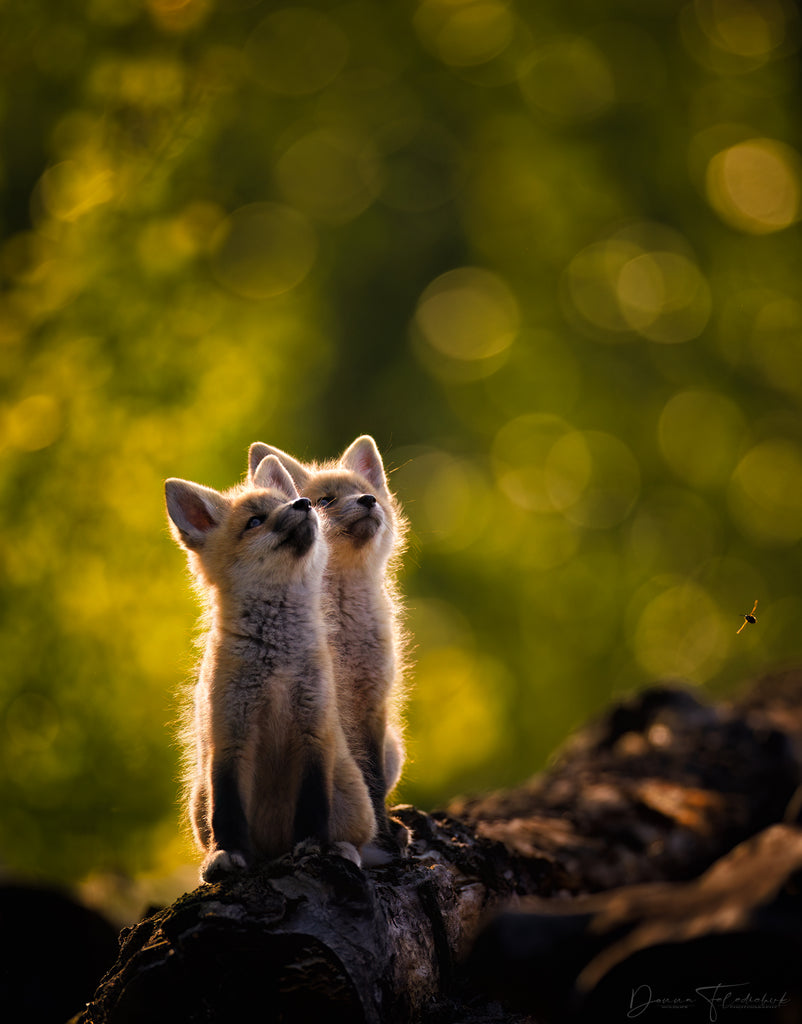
(390, 844)
(314, 848)
(374, 855)
(310, 847)
(348, 852)
(402, 837)
(220, 863)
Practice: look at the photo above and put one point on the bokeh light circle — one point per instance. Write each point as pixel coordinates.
(464, 34)
(766, 492)
(520, 452)
(330, 175)
(263, 250)
(569, 80)
(296, 51)
(680, 633)
(700, 434)
(592, 478)
(754, 186)
(632, 284)
(468, 314)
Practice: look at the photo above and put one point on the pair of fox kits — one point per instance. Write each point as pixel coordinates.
(295, 731)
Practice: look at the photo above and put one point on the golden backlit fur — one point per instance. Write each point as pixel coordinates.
(269, 760)
(365, 530)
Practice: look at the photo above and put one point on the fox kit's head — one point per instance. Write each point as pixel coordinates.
(360, 516)
(244, 538)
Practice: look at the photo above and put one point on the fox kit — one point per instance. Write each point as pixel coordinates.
(270, 763)
(364, 529)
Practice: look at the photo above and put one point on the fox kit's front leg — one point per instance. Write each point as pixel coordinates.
(386, 842)
(379, 757)
(228, 846)
(313, 807)
(217, 807)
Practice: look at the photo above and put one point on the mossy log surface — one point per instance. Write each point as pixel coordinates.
(641, 802)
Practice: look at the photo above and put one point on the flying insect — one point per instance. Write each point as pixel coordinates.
(749, 617)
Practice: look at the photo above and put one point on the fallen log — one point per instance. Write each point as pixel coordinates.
(655, 791)
(729, 940)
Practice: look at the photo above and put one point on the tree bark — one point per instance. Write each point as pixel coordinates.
(653, 793)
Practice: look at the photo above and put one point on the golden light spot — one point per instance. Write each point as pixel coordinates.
(776, 342)
(592, 478)
(69, 190)
(263, 250)
(165, 245)
(464, 33)
(458, 487)
(754, 186)
(680, 634)
(766, 492)
(451, 499)
(195, 225)
(161, 247)
(520, 452)
(178, 15)
(33, 424)
(468, 314)
(744, 28)
(625, 285)
(330, 176)
(641, 290)
(592, 279)
(147, 82)
(663, 296)
(296, 51)
(568, 469)
(569, 80)
(700, 433)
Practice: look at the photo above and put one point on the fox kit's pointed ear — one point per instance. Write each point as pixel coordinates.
(271, 475)
(259, 451)
(363, 457)
(194, 511)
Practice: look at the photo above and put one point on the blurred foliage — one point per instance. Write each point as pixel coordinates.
(547, 253)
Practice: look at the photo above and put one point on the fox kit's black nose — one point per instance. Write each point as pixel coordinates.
(302, 503)
(367, 500)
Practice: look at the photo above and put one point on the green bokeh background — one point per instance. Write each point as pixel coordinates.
(547, 254)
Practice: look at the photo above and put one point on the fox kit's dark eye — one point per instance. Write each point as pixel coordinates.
(254, 521)
(325, 501)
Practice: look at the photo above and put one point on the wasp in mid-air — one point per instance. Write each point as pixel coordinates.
(749, 617)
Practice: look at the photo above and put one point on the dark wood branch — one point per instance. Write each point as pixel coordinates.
(654, 792)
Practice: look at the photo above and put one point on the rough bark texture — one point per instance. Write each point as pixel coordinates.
(650, 796)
